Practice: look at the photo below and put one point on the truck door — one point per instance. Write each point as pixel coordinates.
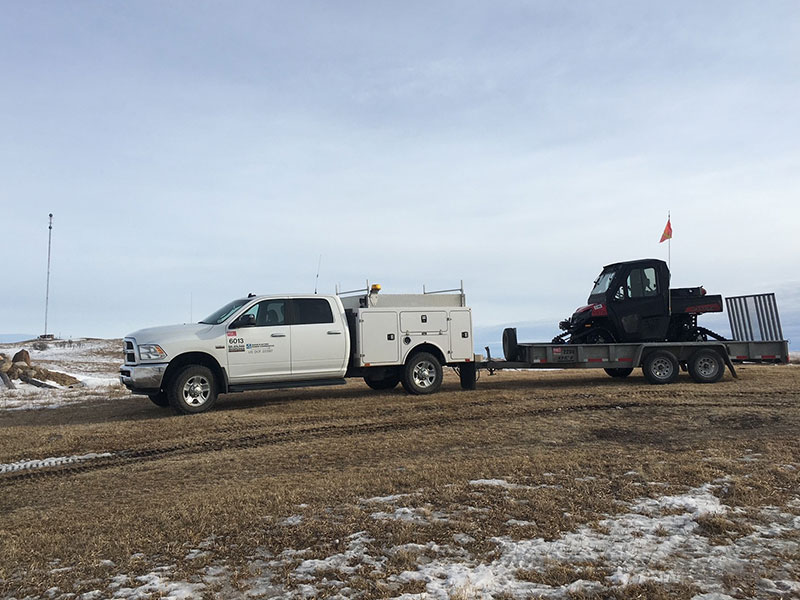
(640, 306)
(262, 351)
(319, 339)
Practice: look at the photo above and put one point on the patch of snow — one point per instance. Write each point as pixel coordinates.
(53, 461)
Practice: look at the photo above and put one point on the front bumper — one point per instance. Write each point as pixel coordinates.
(142, 379)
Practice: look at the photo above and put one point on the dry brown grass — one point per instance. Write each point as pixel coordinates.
(576, 443)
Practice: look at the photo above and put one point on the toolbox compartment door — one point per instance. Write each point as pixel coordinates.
(378, 337)
(423, 321)
(460, 335)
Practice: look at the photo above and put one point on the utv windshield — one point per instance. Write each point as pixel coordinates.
(602, 282)
(226, 311)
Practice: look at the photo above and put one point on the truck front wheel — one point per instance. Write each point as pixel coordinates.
(618, 372)
(661, 367)
(192, 390)
(422, 374)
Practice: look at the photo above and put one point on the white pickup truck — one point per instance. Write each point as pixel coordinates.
(280, 341)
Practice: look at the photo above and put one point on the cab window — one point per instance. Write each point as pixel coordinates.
(641, 283)
(268, 313)
(308, 311)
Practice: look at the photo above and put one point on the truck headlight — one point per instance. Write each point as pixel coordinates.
(151, 352)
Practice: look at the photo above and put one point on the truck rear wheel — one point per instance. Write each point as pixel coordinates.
(422, 374)
(706, 366)
(621, 373)
(661, 367)
(192, 390)
(388, 382)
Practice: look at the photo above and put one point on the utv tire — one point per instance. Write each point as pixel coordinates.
(706, 366)
(386, 383)
(192, 390)
(619, 373)
(422, 374)
(159, 399)
(661, 367)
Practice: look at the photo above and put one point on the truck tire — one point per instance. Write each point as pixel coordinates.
(661, 367)
(706, 366)
(510, 345)
(159, 399)
(422, 374)
(620, 373)
(388, 382)
(192, 390)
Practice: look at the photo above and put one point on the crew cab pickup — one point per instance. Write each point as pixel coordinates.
(299, 340)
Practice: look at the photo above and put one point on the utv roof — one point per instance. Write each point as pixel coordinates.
(634, 262)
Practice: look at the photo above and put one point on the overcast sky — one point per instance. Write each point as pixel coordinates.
(193, 152)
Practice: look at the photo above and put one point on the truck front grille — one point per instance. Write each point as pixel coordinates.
(129, 350)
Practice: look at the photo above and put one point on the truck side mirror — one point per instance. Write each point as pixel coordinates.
(247, 320)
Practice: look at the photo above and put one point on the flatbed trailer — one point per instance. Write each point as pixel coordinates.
(661, 362)
(754, 321)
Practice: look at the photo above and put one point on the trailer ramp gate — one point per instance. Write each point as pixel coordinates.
(754, 318)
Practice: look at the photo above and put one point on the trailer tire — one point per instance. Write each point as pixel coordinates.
(510, 345)
(159, 399)
(422, 374)
(661, 367)
(706, 366)
(192, 390)
(619, 373)
(384, 383)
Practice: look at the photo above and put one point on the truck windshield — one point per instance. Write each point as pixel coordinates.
(602, 282)
(219, 316)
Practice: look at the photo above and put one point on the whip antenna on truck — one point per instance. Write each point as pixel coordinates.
(316, 281)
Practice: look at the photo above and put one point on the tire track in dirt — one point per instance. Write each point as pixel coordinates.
(276, 437)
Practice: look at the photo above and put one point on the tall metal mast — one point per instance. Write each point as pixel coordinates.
(47, 293)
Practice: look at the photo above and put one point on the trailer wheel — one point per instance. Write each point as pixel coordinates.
(706, 366)
(192, 390)
(159, 399)
(422, 374)
(620, 373)
(384, 383)
(661, 367)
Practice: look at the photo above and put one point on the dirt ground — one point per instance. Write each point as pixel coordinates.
(267, 474)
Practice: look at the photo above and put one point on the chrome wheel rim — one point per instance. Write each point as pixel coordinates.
(424, 374)
(196, 390)
(662, 368)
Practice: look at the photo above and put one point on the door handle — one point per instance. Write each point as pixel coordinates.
(278, 335)
(332, 332)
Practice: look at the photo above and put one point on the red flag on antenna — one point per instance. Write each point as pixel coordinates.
(667, 235)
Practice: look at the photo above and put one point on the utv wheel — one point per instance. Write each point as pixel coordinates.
(193, 390)
(706, 366)
(385, 383)
(422, 374)
(620, 373)
(661, 367)
(159, 399)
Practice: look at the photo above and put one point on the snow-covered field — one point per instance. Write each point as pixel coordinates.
(650, 540)
(93, 362)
